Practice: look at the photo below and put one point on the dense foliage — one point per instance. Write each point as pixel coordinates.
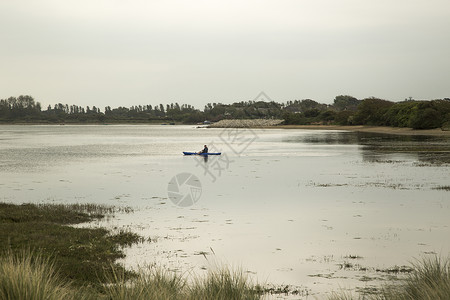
(345, 110)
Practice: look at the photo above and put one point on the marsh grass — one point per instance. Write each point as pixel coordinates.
(223, 284)
(344, 295)
(57, 213)
(158, 284)
(149, 284)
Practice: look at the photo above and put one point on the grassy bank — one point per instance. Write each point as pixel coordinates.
(80, 254)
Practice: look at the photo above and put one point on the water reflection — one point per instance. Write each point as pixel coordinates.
(427, 149)
(328, 138)
(383, 147)
(363, 138)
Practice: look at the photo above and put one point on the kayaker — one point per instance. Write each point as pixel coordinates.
(205, 150)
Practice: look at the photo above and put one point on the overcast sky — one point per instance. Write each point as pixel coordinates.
(127, 52)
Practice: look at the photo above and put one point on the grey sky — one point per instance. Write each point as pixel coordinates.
(127, 52)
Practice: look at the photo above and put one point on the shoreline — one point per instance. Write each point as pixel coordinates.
(370, 129)
(355, 128)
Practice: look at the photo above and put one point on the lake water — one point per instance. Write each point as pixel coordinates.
(316, 210)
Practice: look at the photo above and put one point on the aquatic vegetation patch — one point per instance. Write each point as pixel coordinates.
(428, 278)
(286, 290)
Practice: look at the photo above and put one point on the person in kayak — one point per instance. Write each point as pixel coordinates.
(205, 150)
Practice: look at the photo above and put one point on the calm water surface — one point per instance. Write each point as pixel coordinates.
(292, 207)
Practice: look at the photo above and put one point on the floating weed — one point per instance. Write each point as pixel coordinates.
(396, 270)
(286, 290)
(442, 187)
(353, 256)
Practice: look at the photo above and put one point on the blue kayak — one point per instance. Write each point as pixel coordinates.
(196, 153)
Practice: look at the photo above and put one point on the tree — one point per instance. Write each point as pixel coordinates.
(346, 103)
(371, 112)
(425, 116)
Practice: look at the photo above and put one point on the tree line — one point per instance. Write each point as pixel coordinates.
(345, 110)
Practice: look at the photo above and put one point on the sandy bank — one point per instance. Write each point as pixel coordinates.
(246, 123)
(374, 129)
(274, 123)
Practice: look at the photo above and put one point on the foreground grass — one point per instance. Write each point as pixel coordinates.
(29, 275)
(79, 263)
(80, 254)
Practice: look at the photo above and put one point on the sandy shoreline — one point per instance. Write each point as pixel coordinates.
(373, 129)
(276, 124)
(355, 128)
